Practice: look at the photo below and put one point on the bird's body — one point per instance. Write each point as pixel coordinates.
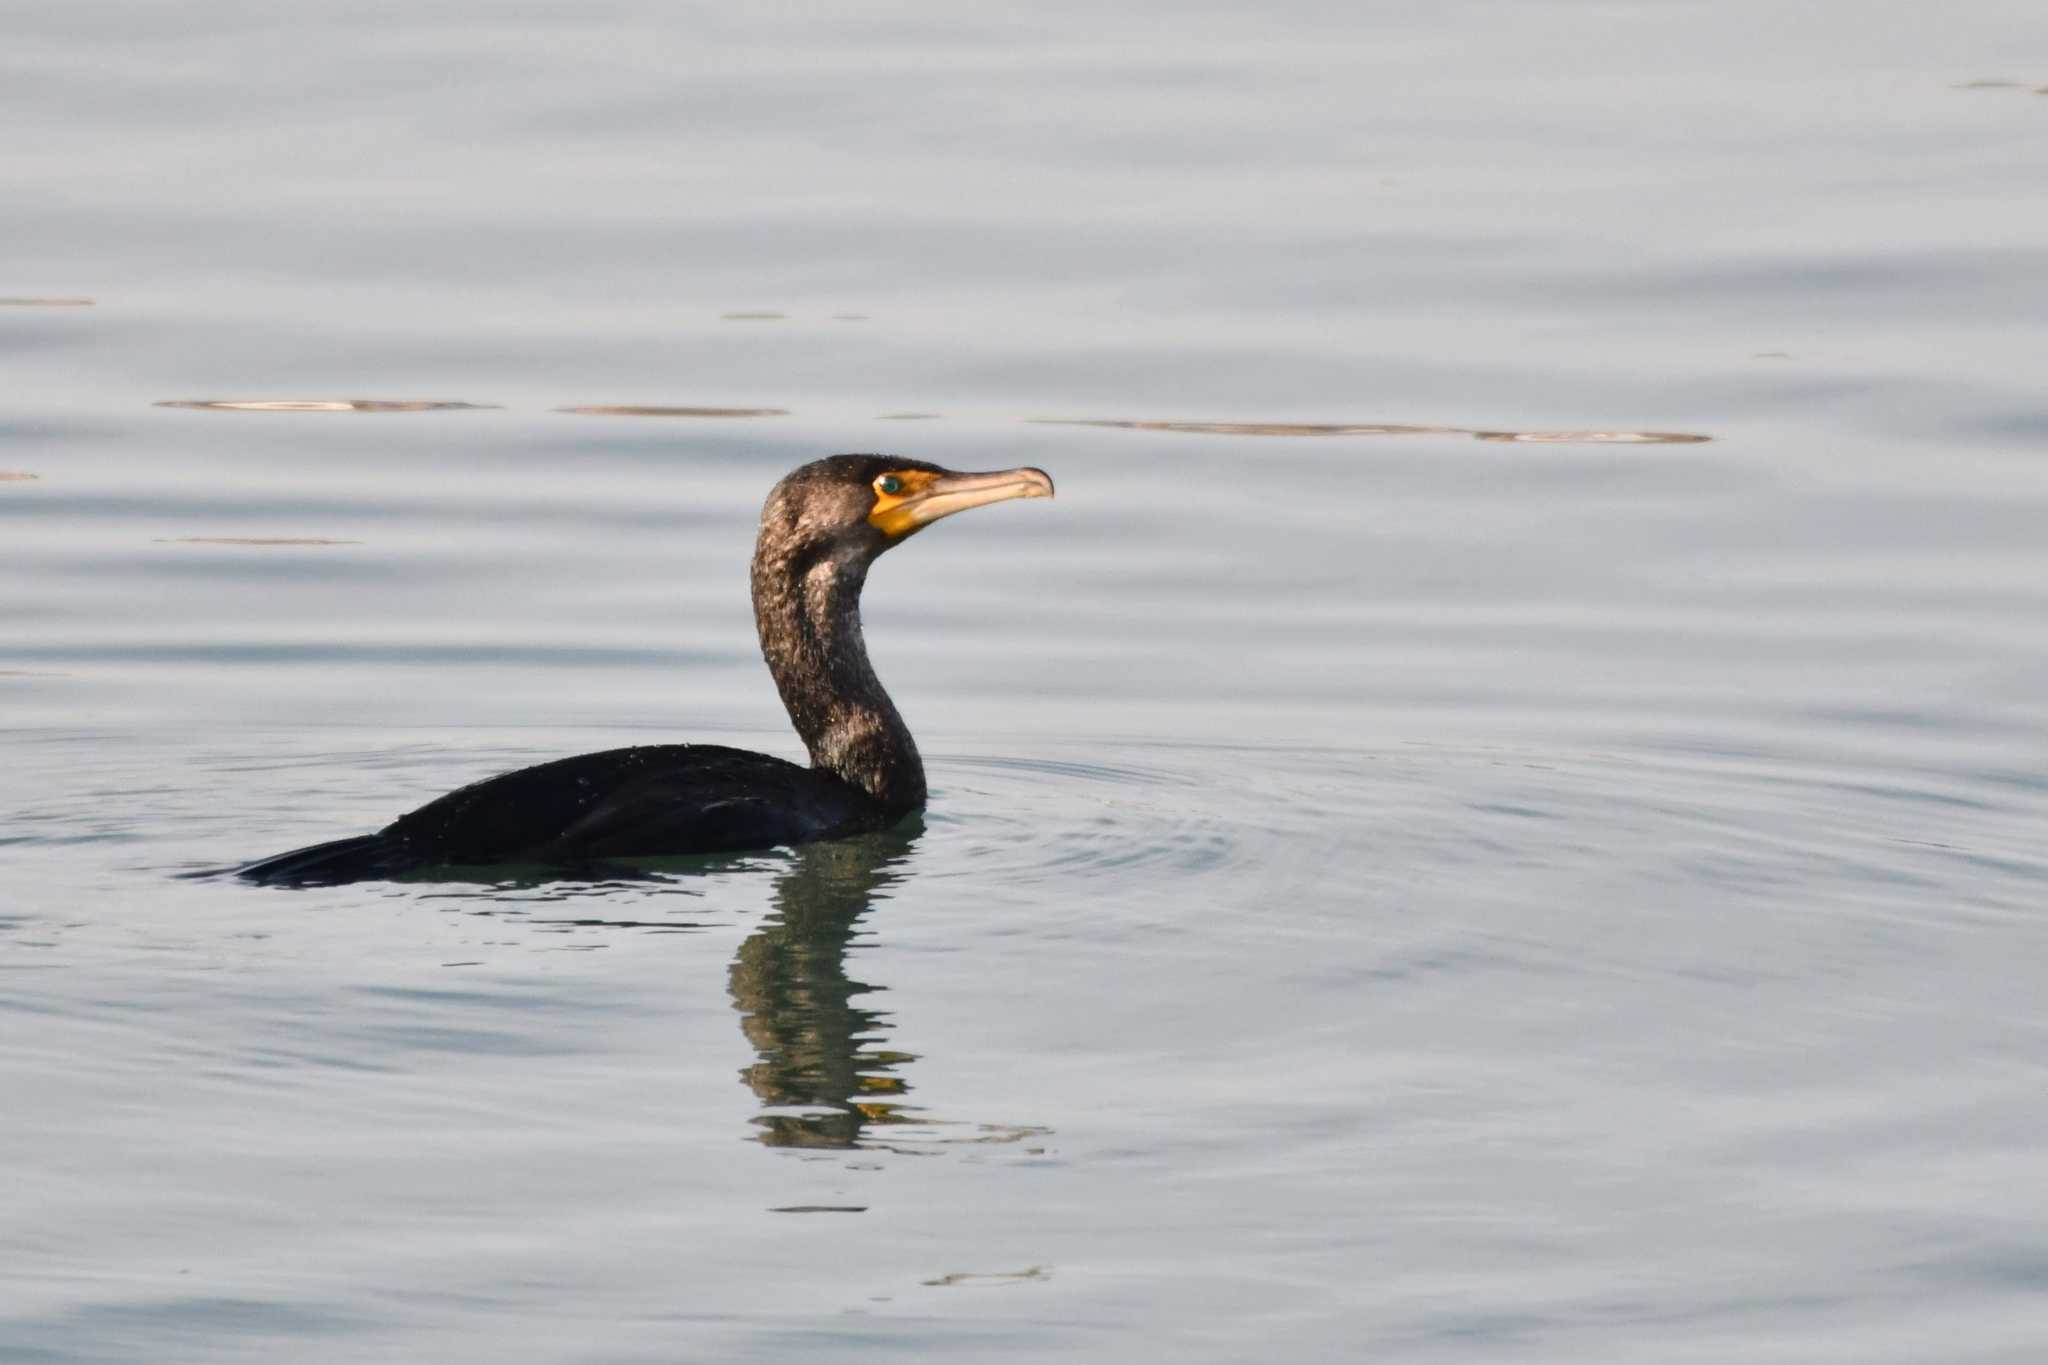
(652, 800)
(821, 528)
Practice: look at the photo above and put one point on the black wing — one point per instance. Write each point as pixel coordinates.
(649, 801)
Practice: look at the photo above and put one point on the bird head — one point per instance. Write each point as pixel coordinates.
(857, 506)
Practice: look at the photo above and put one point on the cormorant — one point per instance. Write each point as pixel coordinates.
(821, 528)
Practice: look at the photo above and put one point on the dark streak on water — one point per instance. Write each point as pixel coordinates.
(1385, 429)
(675, 412)
(296, 405)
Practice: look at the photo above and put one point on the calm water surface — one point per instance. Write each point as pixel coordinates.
(1425, 864)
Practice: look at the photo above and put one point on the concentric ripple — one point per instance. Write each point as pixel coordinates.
(1193, 831)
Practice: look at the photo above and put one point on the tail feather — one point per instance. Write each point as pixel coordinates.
(364, 857)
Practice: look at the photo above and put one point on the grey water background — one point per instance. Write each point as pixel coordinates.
(1398, 895)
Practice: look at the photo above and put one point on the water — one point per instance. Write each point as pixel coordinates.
(1392, 891)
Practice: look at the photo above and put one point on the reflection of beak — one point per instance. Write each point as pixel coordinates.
(946, 494)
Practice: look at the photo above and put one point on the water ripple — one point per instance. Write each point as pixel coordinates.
(1595, 437)
(250, 540)
(321, 405)
(1251, 428)
(1587, 437)
(630, 410)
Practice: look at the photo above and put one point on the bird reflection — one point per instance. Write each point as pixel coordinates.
(823, 1076)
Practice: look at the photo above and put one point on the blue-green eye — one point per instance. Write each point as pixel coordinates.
(889, 485)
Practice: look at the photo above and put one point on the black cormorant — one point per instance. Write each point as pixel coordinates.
(821, 528)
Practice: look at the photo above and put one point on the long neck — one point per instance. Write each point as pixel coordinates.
(807, 609)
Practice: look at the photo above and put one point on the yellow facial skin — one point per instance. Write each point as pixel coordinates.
(890, 515)
(909, 499)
